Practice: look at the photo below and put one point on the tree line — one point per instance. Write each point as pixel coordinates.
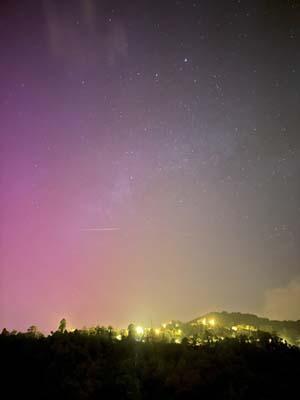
(94, 365)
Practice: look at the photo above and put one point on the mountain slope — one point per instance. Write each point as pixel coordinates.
(289, 330)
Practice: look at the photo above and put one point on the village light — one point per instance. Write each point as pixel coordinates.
(139, 330)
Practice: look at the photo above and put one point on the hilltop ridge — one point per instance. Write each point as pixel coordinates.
(240, 323)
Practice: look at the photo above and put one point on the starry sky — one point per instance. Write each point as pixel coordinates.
(149, 160)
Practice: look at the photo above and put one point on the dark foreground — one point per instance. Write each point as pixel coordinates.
(75, 366)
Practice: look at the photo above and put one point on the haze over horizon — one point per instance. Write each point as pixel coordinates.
(149, 161)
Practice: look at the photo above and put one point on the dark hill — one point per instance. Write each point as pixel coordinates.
(288, 330)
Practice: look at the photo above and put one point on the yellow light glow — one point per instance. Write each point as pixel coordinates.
(234, 328)
(164, 326)
(139, 330)
(204, 321)
(119, 337)
(212, 322)
(157, 331)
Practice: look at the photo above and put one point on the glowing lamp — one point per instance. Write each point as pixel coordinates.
(139, 330)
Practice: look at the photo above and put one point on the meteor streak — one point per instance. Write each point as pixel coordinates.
(105, 229)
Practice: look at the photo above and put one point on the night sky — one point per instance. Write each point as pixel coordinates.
(149, 160)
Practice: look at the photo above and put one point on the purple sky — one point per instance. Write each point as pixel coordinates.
(149, 161)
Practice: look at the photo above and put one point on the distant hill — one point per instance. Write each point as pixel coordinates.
(236, 318)
(288, 330)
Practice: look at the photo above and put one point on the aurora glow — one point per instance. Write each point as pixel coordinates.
(150, 160)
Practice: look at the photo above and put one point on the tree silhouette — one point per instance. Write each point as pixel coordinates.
(62, 325)
(79, 365)
(131, 331)
(34, 332)
(32, 329)
(110, 330)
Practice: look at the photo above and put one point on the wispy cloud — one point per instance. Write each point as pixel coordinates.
(283, 302)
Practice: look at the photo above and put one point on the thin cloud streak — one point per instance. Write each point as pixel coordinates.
(107, 229)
